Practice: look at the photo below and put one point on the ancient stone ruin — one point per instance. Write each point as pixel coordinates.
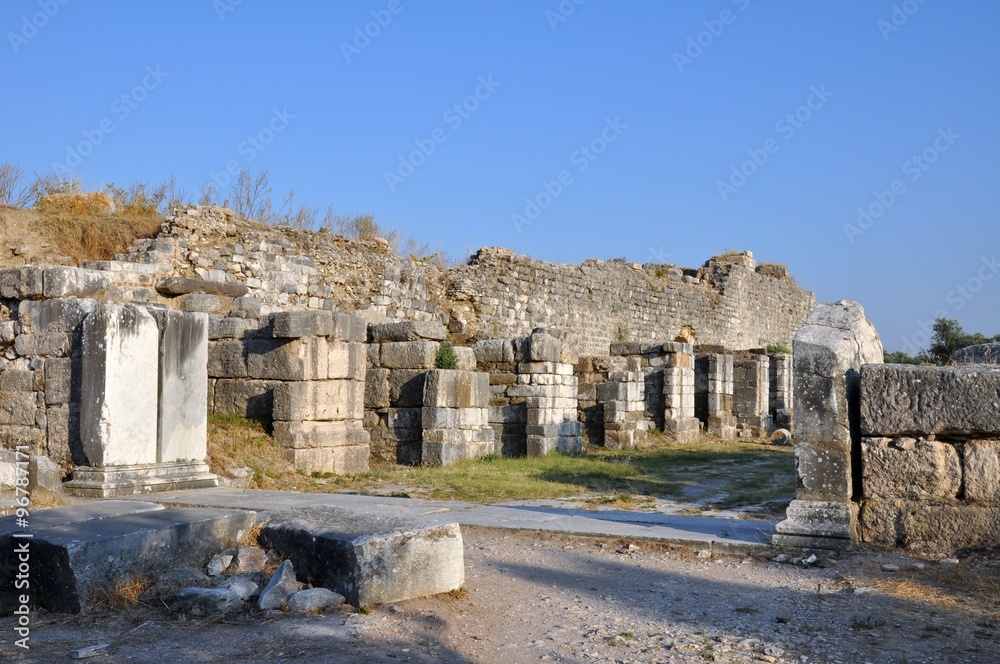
(108, 372)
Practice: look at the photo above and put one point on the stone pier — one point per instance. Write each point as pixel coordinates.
(752, 395)
(714, 394)
(553, 419)
(455, 417)
(680, 422)
(829, 351)
(781, 389)
(623, 400)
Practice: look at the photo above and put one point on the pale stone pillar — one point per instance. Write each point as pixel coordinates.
(828, 353)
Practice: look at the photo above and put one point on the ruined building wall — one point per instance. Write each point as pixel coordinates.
(498, 294)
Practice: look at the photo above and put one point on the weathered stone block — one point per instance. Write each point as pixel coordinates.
(302, 435)
(450, 388)
(407, 331)
(910, 468)
(294, 359)
(62, 281)
(17, 408)
(982, 470)
(349, 328)
(230, 327)
(823, 470)
(319, 401)
(929, 526)
(227, 359)
(409, 354)
(60, 516)
(342, 460)
(182, 286)
(898, 399)
(84, 557)
(406, 387)
(978, 354)
(183, 386)
(253, 399)
(295, 324)
(367, 558)
(120, 369)
(199, 303)
(346, 359)
(495, 351)
(543, 347)
(377, 388)
(58, 380)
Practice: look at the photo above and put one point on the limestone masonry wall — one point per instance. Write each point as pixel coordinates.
(498, 294)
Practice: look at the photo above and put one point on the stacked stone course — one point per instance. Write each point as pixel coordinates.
(455, 417)
(680, 422)
(714, 385)
(625, 422)
(752, 394)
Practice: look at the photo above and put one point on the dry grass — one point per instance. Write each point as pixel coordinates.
(944, 588)
(236, 442)
(95, 236)
(124, 595)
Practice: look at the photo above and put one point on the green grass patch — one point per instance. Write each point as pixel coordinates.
(749, 473)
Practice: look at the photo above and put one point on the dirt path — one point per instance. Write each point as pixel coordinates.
(578, 600)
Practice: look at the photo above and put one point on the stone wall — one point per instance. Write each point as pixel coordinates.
(930, 456)
(497, 294)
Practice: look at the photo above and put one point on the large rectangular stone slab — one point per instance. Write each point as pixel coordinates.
(183, 397)
(899, 400)
(253, 399)
(928, 526)
(410, 330)
(59, 516)
(120, 369)
(368, 558)
(409, 354)
(83, 558)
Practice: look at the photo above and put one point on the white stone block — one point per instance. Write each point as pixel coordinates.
(118, 412)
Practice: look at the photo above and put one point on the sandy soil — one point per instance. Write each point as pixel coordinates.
(531, 599)
(23, 241)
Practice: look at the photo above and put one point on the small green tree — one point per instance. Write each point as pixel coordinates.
(446, 358)
(950, 337)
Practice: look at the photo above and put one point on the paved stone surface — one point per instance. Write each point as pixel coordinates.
(692, 531)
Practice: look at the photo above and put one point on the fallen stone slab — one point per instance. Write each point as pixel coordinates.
(43, 519)
(83, 558)
(240, 585)
(183, 286)
(367, 558)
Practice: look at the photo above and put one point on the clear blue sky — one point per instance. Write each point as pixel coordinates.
(682, 117)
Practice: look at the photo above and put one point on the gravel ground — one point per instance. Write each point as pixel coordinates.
(530, 598)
